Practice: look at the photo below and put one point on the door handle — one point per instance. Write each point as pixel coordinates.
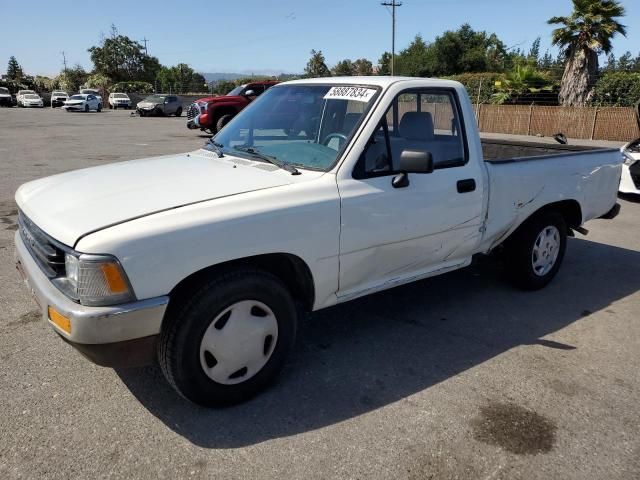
(466, 185)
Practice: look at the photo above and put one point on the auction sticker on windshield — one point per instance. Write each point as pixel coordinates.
(359, 94)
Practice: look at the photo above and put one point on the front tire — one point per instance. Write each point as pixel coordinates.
(222, 121)
(99, 107)
(179, 112)
(86, 108)
(536, 250)
(227, 340)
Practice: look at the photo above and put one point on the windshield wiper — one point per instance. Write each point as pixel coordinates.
(215, 147)
(267, 158)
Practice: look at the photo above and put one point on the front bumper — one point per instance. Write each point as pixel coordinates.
(58, 102)
(120, 335)
(79, 107)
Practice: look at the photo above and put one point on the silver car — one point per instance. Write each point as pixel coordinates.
(160, 104)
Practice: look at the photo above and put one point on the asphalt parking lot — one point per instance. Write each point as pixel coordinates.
(459, 376)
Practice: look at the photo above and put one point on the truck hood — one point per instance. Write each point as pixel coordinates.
(70, 205)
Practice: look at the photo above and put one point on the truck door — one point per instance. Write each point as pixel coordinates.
(391, 234)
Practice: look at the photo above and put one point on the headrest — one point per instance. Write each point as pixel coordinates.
(417, 126)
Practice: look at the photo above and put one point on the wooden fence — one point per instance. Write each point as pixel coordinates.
(594, 123)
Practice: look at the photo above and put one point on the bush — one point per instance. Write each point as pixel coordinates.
(132, 87)
(482, 82)
(620, 89)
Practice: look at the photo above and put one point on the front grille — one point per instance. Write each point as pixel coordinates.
(48, 253)
(193, 111)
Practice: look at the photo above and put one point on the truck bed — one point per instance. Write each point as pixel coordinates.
(525, 176)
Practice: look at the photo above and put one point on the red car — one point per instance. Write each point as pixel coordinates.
(213, 113)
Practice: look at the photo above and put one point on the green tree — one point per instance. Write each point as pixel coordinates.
(466, 50)
(416, 60)
(122, 59)
(384, 64)
(343, 67)
(582, 36)
(534, 51)
(363, 67)
(72, 78)
(316, 66)
(625, 62)
(222, 87)
(620, 89)
(14, 70)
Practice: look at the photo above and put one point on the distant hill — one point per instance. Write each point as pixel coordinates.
(217, 76)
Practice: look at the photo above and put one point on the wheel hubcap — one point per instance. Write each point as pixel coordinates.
(239, 342)
(545, 250)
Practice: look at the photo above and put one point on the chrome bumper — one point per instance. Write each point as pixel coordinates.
(90, 325)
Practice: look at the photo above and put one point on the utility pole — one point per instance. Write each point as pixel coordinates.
(64, 60)
(145, 40)
(393, 4)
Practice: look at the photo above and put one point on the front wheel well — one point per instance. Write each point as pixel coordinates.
(290, 269)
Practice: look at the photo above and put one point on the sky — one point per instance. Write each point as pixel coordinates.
(254, 36)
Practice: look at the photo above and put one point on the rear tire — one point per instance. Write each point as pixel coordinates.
(222, 121)
(535, 251)
(237, 324)
(179, 112)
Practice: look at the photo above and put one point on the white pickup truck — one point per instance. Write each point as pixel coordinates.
(321, 191)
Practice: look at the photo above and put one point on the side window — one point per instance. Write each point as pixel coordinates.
(426, 120)
(257, 89)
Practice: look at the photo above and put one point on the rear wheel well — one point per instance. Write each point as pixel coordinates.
(569, 209)
(290, 269)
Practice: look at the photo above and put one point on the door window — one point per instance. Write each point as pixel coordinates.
(426, 120)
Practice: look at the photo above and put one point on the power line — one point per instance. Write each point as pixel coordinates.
(393, 4)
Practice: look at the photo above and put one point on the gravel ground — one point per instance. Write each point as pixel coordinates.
(459, 376)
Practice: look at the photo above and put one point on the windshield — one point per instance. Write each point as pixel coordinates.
(31, 96)
(302, 125)
(89, 91)
(59, 94)
(119, 95)
(25, 92)
(76, 97)
(236, 91)
(4, 90)
(154, 99)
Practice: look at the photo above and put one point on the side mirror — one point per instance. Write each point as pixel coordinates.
(416, 161)
(249, 93)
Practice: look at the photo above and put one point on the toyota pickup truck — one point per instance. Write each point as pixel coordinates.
(321, 191)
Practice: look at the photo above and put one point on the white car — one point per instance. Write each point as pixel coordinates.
(94, 92)
(202, 260)
(32, 100)
(82, 103)
(58, 97)
(630, 180)
(20, 96)
(119, 100)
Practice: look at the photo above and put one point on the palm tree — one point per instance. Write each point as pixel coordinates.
(582, 36)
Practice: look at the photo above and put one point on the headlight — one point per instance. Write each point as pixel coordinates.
(95, 280)
(628, 159)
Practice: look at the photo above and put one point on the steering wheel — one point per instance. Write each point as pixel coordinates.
(331, 136)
